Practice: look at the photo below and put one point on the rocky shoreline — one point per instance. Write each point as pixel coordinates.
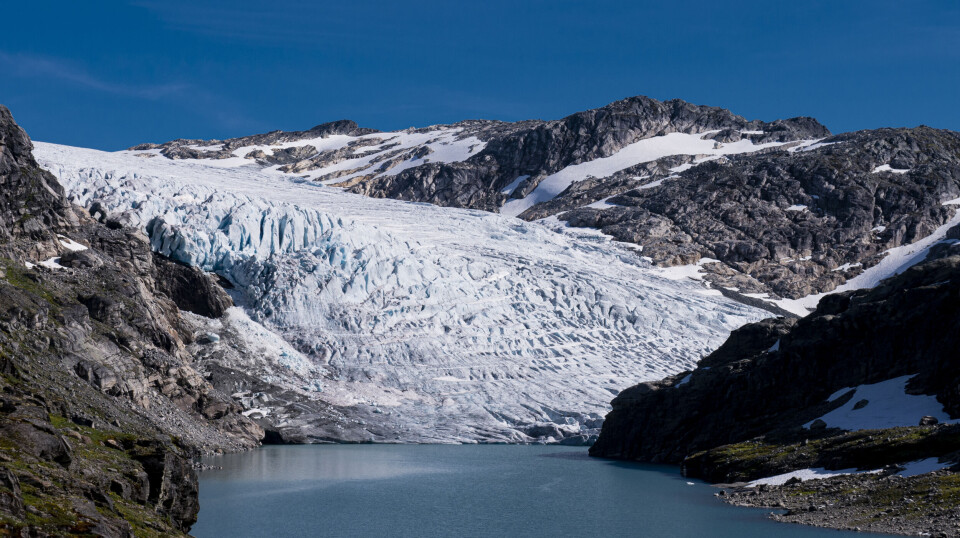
(851, 388)
(924, 505)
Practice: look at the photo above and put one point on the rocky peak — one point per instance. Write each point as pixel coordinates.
(340, 127)
(33, 207)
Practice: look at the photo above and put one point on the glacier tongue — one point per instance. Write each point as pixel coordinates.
(434, 324)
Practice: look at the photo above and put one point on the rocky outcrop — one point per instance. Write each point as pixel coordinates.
(752, 408)
(32, 202)
(786, 221)
(190, 288)
(223, 149)
(540, 148)
(776, 375)
(102, 411)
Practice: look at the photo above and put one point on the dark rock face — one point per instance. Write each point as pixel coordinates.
(540, 148)
(784, 222)
(32, 203)
(95, 375)
(192, 289)
(39, 440)
(171, 480)
(776, 375)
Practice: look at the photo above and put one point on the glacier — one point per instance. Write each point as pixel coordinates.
(422, 323)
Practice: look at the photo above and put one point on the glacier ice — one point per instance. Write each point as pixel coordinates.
(440, 324)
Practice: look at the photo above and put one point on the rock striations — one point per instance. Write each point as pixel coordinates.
(101, 410)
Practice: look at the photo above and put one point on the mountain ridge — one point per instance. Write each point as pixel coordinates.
(794, 238)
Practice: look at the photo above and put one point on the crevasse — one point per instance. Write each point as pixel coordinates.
(479, 326)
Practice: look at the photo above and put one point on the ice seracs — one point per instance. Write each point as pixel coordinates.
(457, 325)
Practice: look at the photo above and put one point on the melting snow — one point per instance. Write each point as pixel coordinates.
(805, 474)
(810, 146)
(680, 272)
(847, 266)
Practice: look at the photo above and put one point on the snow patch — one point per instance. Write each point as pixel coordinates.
(805, 474)
(508, 190)
(646, 150)
(70, 244)
(919, 467)
(888, 406)
(888, 168)
(52, 263)
(914, 468)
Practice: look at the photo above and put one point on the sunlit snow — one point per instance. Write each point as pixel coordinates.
(887, 406)
(646, 150)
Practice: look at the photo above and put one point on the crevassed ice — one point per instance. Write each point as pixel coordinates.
(476, 324)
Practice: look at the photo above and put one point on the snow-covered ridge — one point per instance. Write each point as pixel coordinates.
(339, 158)
(466, 324)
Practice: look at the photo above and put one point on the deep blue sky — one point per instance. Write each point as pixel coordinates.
(122, 73)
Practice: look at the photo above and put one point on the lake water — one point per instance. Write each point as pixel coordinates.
(462, 490)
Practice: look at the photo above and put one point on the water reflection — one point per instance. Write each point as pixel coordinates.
(330, 464)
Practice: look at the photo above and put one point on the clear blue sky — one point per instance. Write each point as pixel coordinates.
(122, 73)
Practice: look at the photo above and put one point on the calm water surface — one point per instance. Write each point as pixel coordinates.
(439, 490)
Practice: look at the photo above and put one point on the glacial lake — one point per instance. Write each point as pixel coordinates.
(462, 490)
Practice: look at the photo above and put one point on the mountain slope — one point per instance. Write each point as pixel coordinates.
(101, 411)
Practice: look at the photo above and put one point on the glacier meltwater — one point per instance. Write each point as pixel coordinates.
(424, 324)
